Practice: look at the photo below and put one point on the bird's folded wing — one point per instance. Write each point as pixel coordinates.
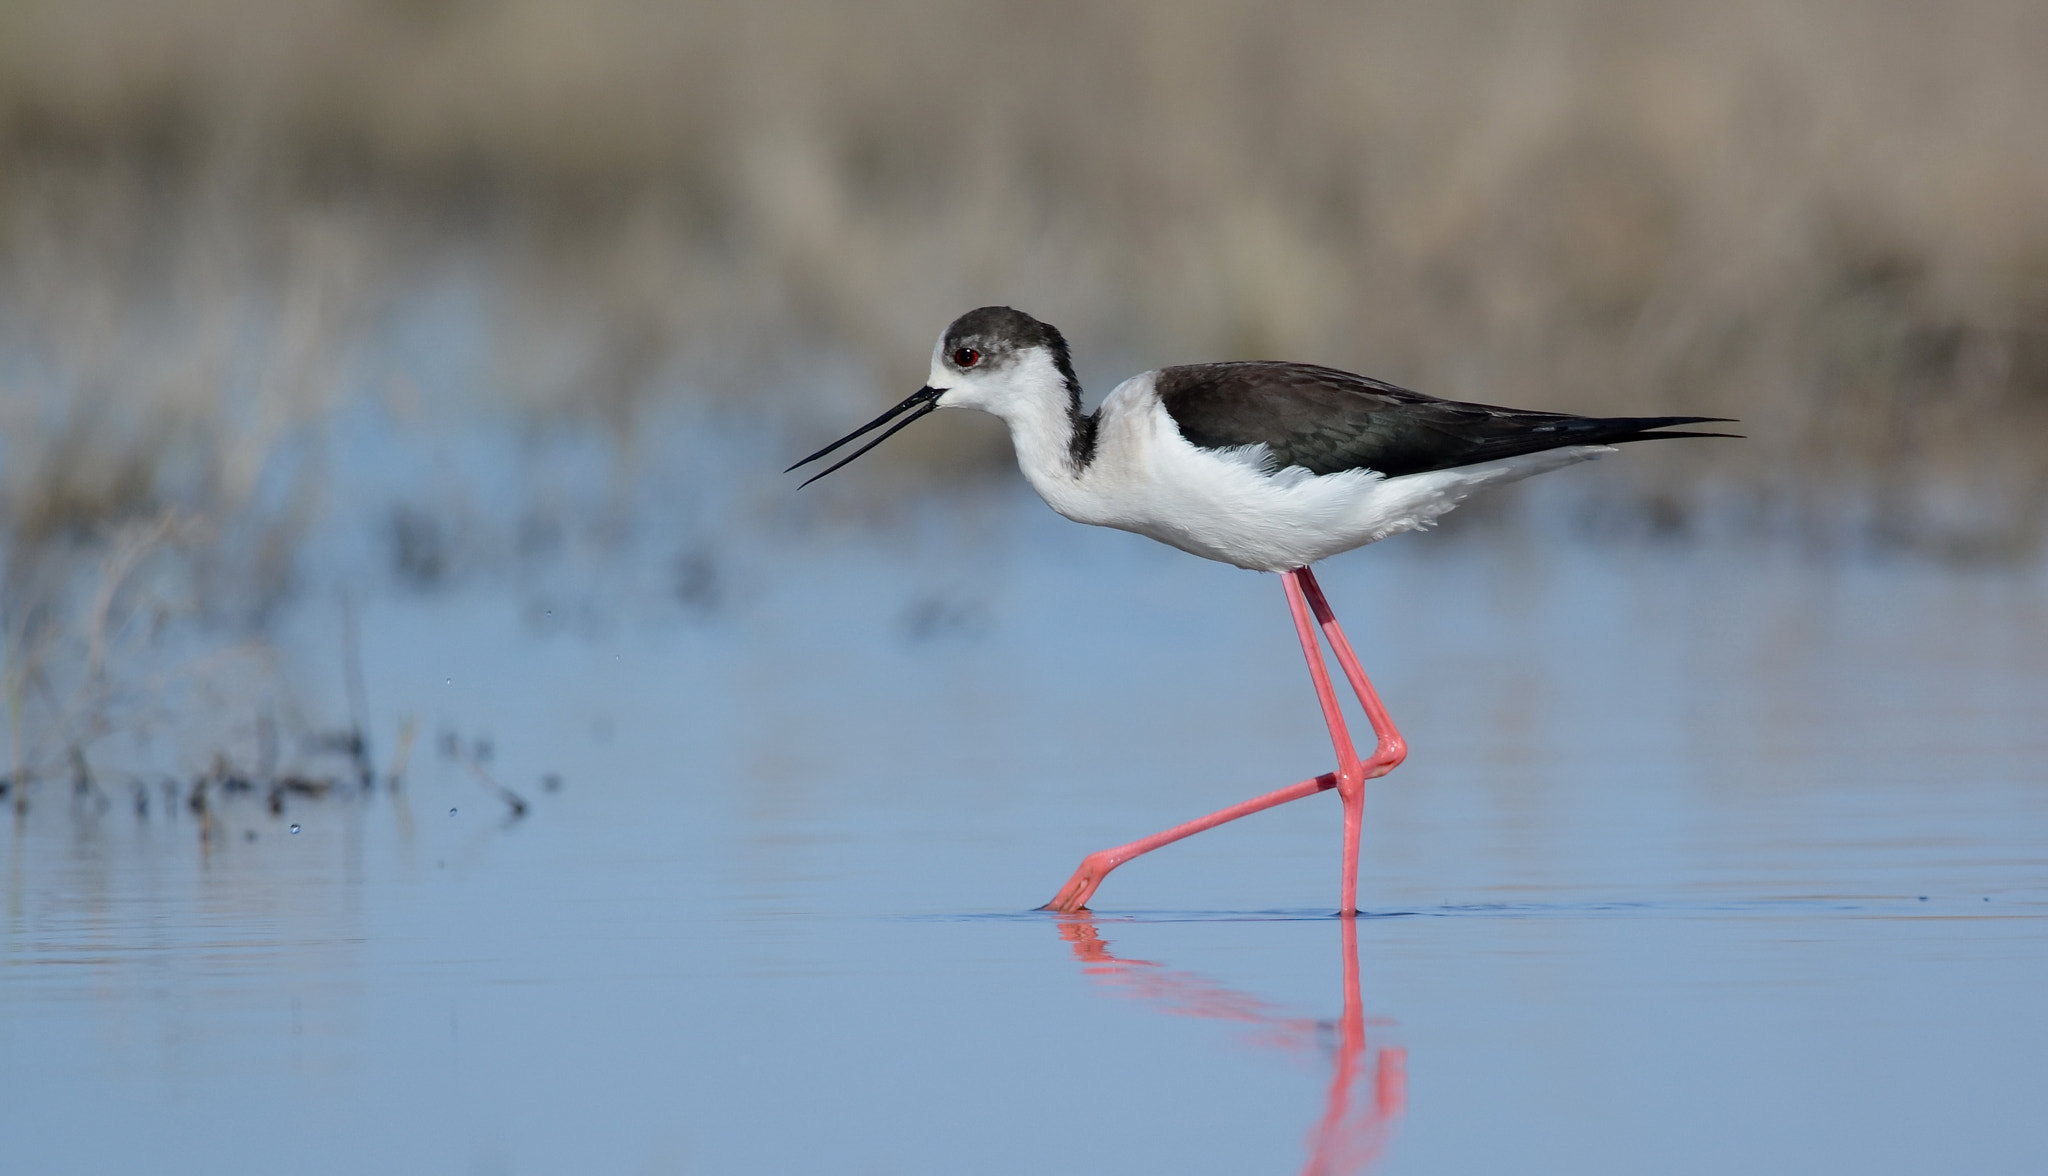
(1326, 421)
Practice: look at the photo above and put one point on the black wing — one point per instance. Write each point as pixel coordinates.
(1326, 421)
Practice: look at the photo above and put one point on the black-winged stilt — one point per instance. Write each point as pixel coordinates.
(1269, 466)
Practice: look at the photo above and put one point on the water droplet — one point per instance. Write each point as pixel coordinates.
(295, 828)
(451, 681)
(451, 812)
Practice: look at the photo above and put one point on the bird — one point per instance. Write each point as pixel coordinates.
(1266, 465)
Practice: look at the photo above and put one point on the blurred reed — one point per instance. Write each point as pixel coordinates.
(1825, 219)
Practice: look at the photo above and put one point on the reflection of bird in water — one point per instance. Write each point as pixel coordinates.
(1357, 1117)
(1268, 466)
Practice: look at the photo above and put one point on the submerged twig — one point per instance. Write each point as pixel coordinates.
(513, 800)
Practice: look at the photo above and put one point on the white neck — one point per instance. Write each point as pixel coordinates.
(1042, 429)
(1034, 400)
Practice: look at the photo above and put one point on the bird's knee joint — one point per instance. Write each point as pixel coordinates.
(1390, 755)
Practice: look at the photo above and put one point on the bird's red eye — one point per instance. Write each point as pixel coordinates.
(967, 357)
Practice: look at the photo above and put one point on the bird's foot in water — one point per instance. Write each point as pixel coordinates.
(1074, 896)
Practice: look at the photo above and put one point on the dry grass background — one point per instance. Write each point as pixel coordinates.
(1828, 219)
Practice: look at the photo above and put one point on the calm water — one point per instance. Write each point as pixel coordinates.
(1703, 862)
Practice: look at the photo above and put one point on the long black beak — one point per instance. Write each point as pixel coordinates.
(924, 400)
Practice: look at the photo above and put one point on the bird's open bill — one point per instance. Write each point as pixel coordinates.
(923, 400)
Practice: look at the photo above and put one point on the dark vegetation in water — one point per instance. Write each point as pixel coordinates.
(257, 765)
(330, 766)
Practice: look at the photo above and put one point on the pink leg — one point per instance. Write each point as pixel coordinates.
(1389, 748)
(1304, 596)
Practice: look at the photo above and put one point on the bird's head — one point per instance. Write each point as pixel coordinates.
(995, 359)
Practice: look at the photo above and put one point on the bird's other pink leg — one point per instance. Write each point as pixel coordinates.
(1095, 867)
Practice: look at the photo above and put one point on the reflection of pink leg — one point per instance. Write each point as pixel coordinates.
(1348, 1138)
(1304, 596)
(1366, 1095)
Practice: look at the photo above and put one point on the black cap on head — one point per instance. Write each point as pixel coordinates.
(999, 332)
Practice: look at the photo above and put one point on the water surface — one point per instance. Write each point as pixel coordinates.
(1705, 860)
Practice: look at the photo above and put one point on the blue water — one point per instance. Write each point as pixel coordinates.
(1706, 859)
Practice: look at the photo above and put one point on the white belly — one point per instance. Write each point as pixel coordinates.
(1225, 506)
